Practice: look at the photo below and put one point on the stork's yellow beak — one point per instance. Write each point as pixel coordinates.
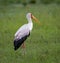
(33, 17)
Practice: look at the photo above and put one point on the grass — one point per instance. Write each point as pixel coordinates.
(43, 45)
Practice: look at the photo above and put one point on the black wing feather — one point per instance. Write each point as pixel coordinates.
(18, 43)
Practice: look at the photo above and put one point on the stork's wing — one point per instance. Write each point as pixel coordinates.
(20, 36)
(22, 31)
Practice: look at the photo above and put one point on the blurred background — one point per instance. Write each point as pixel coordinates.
(43, 45)
(25, 2)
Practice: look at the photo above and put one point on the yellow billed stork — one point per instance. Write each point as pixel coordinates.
(24, 32)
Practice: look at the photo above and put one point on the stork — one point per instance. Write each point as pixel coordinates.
(24, 32)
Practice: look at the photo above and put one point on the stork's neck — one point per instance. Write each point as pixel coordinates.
(30, 23)
(29, 20)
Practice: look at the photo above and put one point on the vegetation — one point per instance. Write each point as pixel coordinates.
(43, 45)
(33, 1)
(24, 2)
(47, 1)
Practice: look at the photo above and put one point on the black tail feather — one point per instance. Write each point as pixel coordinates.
(18, 43)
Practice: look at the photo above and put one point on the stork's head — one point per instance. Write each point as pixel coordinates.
(30, 16)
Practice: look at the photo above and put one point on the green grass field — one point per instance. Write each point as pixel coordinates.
(43, 45)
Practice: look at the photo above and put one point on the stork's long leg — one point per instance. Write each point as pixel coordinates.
(23, 47)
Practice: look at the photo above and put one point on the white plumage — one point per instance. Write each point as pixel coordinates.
(25, 29)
